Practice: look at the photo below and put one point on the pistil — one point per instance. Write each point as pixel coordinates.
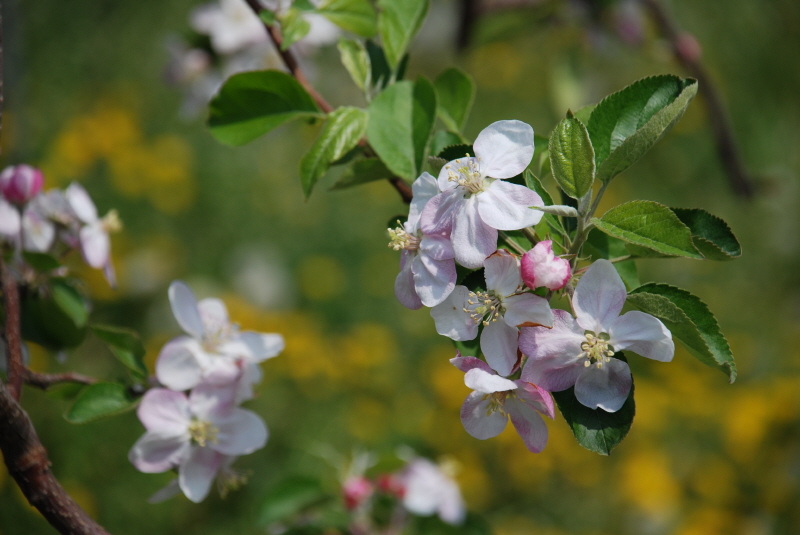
(466, 174)
(597, 350)
(484, 307)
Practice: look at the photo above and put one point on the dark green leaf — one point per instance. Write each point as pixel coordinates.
(361, 172)
(572, 157)
(251, 104)
(70, 301)
(601, 245)
(99, 400)
(41, 262)
(381, 72)
(533, 183)
(453, 152)
(424, 116)
(126, 345)
(651, 225)
(398, 23)
(293, 27)
(443, 139)
(595, 429)
(710, 234)
(290, 497)
(469, 348)
(541, 154)
(455, 92)
(357, 16)
(356, 60)
(689, 320)
(626, 124)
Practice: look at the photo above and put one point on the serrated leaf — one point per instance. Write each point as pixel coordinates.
(126, 345)
(250, 104)
(572, 157)
(453, 152)
(443, 139)
(595, 429)
(362, 171)
(710, 234)
(626, 124)
(293, 27)
(41, 262)
(398, 23)
(601, 245)
(99, 400)
(455, 92)
(342, 131)
(356, 60)
(357, 16)
(649, 224)
(689, 320)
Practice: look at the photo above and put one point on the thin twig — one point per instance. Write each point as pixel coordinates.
(46, 380)
(16, 368)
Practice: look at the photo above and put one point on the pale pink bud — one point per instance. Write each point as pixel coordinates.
(540, 267)
(356, 490)
(20, 183)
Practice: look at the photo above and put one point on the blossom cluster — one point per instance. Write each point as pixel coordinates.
(54, 222)
(529, 349)
(195, 424)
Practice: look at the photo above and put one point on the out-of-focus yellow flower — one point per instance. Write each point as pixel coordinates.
(368, 421)
(472, 478)
(447, 381)
(715, 481)
(321, 277)
(711, 521)
(747, 419)
(647, 481)
(496, 65)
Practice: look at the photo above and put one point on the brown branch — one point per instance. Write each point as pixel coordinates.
(16, 368)
(46, 380)
(687, 53)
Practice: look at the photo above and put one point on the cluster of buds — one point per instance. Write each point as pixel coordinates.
(54, 222)
(195, 425)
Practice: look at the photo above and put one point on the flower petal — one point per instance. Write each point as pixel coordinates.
(437, 216)
(507, 206)
(501, 270)
(184, 308)
(437, 247)
(540, 267)
(197, 472)
(164, 411)
(642, 334)
(95, 245)
(172, 489)
(213, 314)
(156, 452)
(563, 341)
(404, 288)
(81, 203)
(9, 219)
(178, 366)
(423, 189)
(599, 297)
(240, 433)
(263, 346)
(527, 310)
(505, 148)
(434, 280)
(499, 345)
(466, 364)
(607, 387)
(537, 397)
(473, 240)
(528, 423)
(487, 382)
(478, 420)
(450, 318)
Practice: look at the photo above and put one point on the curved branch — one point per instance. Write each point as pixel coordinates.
(46, 380)
(16, 368)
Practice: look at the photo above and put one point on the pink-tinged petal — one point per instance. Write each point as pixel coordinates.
(423, 190)
(473, 240)
(38, 232)
(527, 310)
(505, 148)
(450, 318)
(537, 397)
(540, 267)
(81, 203)
(562, 341)
(434, 280)
(164, 411)
(607, 387)
(197, 472)
(155, 452)
(404, 288)
(502, 273)
(478, 420)
(466, 364)
(643, 334)
(451, 505)
(552, 374)
(487, 382)
(208, 401)
(110, 274)
(172, 489)
(214, 315)
(239, 433)
(499, 345)
(507, 206)
(263, 346)
(438, 214)
(184, 308)
(10, 221)
(599, 297)
(95, 245)
(437, 247)
(528, 423)
(222, 370)
(178, 366)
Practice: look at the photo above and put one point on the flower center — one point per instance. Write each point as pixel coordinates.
(484, 307)
(400, 239)
(229, 480)
(466, 173)
(497, 402)
(596, 349)
(111, 222)
(203, 432)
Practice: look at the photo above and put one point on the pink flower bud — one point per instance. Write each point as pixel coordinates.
(540, 267)
(356, 490)
(20, 183)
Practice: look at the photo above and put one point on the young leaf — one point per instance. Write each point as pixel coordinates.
(650, 225)
(455, 92)
(99, 400)
(572, 157)
(293, 27)
(626, 124)
(251, 104)
(342, 131)
(126, 345)
(689, 320)
(357, 16)
(710, 234)
(361, 172)
(356, 60)
(595, 429)
(398, 23)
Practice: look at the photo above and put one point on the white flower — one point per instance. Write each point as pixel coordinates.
(94, 239)
(430, 489)
(230, 24)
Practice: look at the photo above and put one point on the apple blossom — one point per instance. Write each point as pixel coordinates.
(430, 488)
(495, 399)
(94, 240)
(578, 351)
(20, 183)
(476, 202)
(460, 315)
(230, 24)
(9, 220)
(540, 267)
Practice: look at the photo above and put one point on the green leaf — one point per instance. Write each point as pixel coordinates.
(651, 225)
(290, 497)
(584, 114)
(468, 348)
(626, 124)
(356, 60)
(250, 104)
(601, 245)
(454, 152)
(398, 23)
(294, 27)
(710, 234)
(342, 131)
(689, 320)
(400, 124)
(443, 139)
(381, 72)
(595, 429)
(541, 154)
(99, 400)
(267, 17)
(69, 301)
(533, 183)
(126, 345)
(357, 16)
(455, 92)
(41, 262)
(362, 171)
(572, 157)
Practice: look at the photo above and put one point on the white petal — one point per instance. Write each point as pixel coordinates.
(434, 280)
(240, 433)
(478, 421)
(154, 452)
(502, 273)
(263, 346)
(197, 472)
(404, 287)
(164, 411)
(473, 240)
(606, 387)
(529, 424)
(208, 401)
(184, 308)
(437, 216)
(599, 297)
(95, 245)
(563, 341)
(507, 206)
(423, 189)
(437, 247)
(499, 346)
(527, 310)
(81, 203)
(172, 489)
(505, 148)
(178, 366)
(552, 374)
(487, 382)
(214, 315)
(38, 232)
(642, 334)
(450, 318)
(9, 219)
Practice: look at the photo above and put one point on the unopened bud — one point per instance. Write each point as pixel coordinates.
(540, 267)
(20, 183)
(356, 490)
